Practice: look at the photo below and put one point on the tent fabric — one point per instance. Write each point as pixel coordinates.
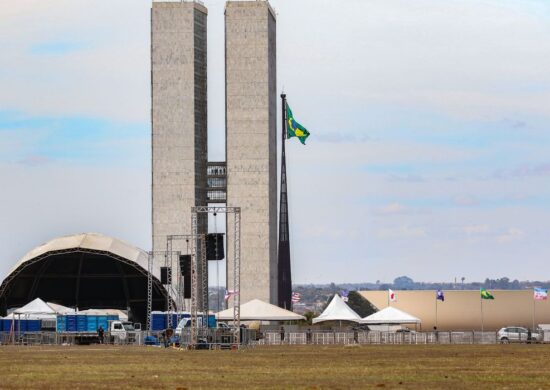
(60, 309)
(390, 315)
(337, 310)
(36, 309)
(91, 241)
(256, 310)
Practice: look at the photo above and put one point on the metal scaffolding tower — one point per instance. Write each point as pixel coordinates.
(166, 258)
(204, 274)
(189, 238)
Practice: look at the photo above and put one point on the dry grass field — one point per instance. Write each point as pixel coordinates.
(311, 367)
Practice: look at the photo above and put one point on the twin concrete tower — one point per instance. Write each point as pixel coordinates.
(182, 176)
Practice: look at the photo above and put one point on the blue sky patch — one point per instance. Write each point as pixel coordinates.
(56, 48)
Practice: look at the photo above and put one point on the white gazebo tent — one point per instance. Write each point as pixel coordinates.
(337, 310)
(389, 319)
(256, 310)
(34, 310)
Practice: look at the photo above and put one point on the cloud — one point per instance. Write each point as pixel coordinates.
(339, 137)
(393, 209)
(35, 160)
(476, 229)
(466, 200)
(330, 232)
(512, 234)
(522, 171)
(409, 178)
(402, 232)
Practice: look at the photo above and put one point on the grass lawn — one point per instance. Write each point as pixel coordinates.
(314, 367)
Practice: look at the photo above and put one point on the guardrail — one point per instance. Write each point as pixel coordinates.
(218, 338)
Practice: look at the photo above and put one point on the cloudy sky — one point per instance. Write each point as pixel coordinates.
(430, 121)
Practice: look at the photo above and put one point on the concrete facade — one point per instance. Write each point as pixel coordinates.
(251, 143)
(179, 119)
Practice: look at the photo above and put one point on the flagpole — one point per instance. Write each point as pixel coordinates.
(284, 284)
(481, 298)
(436, 311)
(534, 301)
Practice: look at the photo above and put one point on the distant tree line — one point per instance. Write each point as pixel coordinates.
(317, 296)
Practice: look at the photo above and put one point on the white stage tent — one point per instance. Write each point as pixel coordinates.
(256, 310)
(34, 310)
(337, 310)
(389, 319)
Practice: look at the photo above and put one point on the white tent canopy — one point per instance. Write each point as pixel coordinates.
(390, 315)
(60, 309)
(34, 310)
(256, 310)
(337, 310)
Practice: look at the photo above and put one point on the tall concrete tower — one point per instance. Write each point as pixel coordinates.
(179, 124)
(251, 142)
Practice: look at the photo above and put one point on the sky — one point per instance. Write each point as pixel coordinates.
(429, 153)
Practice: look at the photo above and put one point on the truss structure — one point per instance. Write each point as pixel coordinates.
(190, 238)
(168, 258)
(204, 274)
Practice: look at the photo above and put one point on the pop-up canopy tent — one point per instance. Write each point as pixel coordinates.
(389, 319)
(337, 310)
(256, 310)
(34, 310)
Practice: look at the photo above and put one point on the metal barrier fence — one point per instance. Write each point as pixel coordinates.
(219, 338)
(375, 337)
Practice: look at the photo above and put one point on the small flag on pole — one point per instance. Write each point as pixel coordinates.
(229, 294)
(439, 295)
(344, 294)
(486, 294)
(296, 297)
(540, 294)
(392, 296)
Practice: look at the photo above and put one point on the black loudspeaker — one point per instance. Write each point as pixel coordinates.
(214, 246)
(185, 269)
(165, 275)
(185, 265)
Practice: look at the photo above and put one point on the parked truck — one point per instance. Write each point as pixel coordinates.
(83, 329)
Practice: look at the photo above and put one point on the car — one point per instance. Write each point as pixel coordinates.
(517, 334)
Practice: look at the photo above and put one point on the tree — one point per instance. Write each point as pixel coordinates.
(403, 283)
(360, 304)
(309, 316)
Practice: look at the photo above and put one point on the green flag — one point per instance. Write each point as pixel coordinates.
(294, 129)
(486, 294)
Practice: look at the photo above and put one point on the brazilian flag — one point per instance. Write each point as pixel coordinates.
(486, 294)
(294, 129)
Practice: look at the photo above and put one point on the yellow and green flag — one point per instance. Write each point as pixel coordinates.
(294, 129)
(486, 294)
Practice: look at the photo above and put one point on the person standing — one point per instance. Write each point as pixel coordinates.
(100, 334)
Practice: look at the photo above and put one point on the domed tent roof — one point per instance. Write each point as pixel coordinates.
(90, 241)
(88, 270)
